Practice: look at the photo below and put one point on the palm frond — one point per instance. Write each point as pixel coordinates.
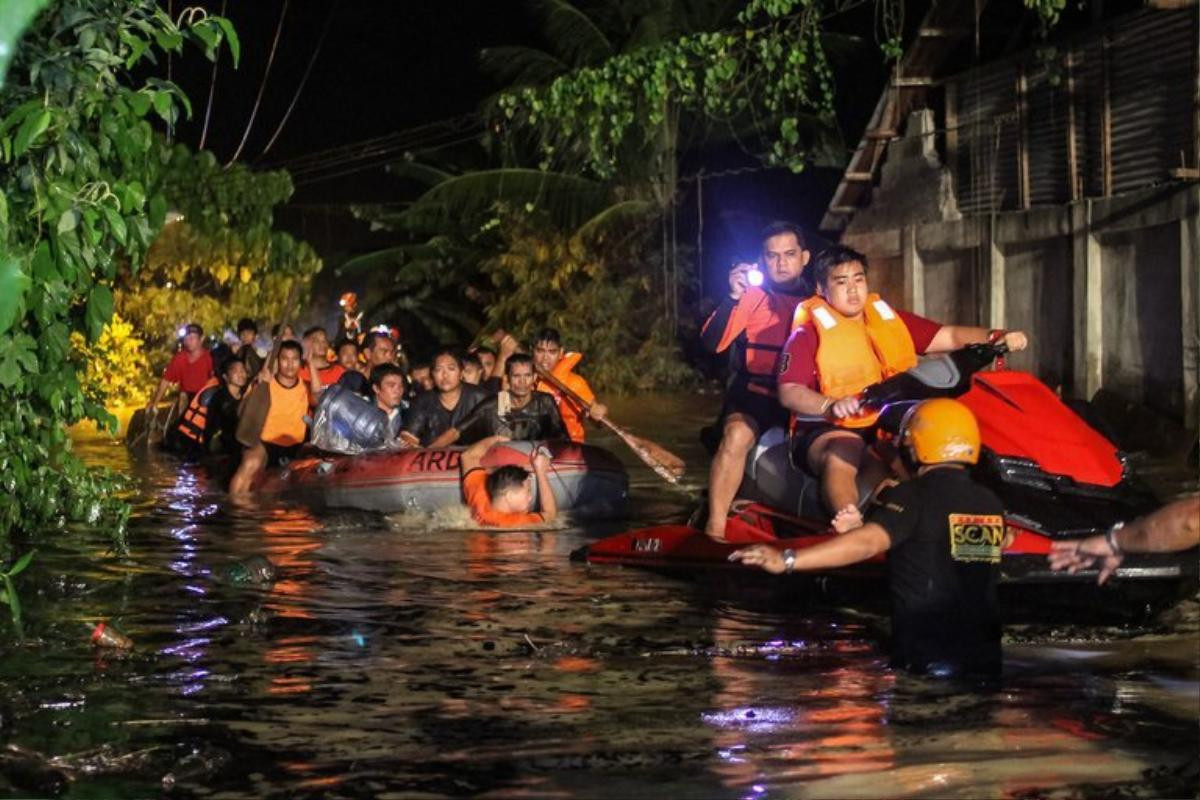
(626, 212)
(512, 66)
(575, 35)
(568, 200)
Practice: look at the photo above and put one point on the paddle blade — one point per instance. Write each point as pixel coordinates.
(668, 465)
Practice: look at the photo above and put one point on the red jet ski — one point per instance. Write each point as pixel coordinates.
(1057, 476)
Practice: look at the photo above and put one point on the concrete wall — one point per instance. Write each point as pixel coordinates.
(1106, 288)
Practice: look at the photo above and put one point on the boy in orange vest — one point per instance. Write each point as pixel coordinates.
(548, 355)
(843, 340)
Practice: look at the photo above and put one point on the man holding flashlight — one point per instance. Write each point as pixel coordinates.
(755, 320)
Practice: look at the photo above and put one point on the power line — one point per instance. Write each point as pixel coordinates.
(262, 86)
(212, 87)
(304, 79)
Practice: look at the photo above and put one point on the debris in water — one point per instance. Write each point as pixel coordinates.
(27, 770)
(105, 635)
(201, 763)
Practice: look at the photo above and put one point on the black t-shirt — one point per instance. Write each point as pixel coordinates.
(946, 535)
(220, 426)
(356, 382)
(428, 419)
(538, 419)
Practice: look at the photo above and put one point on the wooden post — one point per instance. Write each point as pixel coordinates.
(951, 90)
(1075, 188)
(1022, 136)
(1106, 119)
(1189, 256)
(914, 269)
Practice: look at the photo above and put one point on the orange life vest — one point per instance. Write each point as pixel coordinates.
(852, 354)
(572, 413)
(195, 417)
(765, 317)
(284, 425)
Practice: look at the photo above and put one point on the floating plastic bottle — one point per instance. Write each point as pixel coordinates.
(253, 570)
(105, 635)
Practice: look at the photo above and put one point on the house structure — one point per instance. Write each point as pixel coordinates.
(1053, 189)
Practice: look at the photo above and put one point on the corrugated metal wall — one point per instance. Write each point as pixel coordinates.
(987, 141)
(1129, 91)
(1152, 85)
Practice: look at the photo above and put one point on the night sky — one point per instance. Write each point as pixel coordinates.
(387, 67)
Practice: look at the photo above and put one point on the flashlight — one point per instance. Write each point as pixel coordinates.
(755, 277)
(342, 302)
(382, 329)
(183, 329)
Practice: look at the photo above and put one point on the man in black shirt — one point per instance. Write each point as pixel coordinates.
(519, 412)
(945, 534)
(433, 413)
(220, 425)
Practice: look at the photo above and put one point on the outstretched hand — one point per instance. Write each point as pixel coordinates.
(598, 411)
(1084, 554)
(1016, 341)
(760, 555)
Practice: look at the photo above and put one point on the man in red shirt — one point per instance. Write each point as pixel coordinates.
(190, 368)
(754, 321)
(846, 339)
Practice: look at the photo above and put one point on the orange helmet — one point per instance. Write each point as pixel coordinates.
(349, 301)
(942, 431)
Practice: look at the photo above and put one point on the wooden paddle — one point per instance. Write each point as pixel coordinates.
(665, 464)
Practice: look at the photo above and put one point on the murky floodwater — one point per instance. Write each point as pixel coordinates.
(401, 658)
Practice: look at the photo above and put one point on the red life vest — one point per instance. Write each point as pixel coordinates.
(765, 317)
(191, 424)
(852, 354)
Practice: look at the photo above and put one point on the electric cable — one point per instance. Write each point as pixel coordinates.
(262, 86)
(303, 79)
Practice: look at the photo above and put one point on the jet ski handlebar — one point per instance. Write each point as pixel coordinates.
(944, 375)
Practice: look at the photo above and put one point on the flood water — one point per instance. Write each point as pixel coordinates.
(420, 658)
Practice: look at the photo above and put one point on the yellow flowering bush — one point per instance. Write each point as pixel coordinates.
(115, 370)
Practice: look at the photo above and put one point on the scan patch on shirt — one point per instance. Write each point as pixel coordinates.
(976, 537)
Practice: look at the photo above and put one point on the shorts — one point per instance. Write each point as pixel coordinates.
(808, 432)
(280, 454)
(757, 402)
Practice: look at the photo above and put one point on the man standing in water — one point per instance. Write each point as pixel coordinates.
(943, 533)
(755, 321)
(550, 358)
(191, 368)
(272, 424)
(517, 412)
(434, 413)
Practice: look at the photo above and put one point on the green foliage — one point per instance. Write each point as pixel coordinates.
(15, 16)
(771, 68)
(220, 260)
(8, 595)
(609, 311)
(80, 169)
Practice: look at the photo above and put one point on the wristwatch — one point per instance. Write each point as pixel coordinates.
(789, 560)
(1111, 538)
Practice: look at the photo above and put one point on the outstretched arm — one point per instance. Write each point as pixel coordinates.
(850, 548)
(955, 337)
(472, 457)
(541, 469)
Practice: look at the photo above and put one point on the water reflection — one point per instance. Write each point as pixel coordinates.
(434, 661)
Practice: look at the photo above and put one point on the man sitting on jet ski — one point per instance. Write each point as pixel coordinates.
(843, 340)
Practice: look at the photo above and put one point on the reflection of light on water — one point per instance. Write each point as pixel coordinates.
(755, 720)
(193, 627)
(190, 650)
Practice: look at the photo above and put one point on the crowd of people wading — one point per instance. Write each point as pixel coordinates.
(805, 335)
